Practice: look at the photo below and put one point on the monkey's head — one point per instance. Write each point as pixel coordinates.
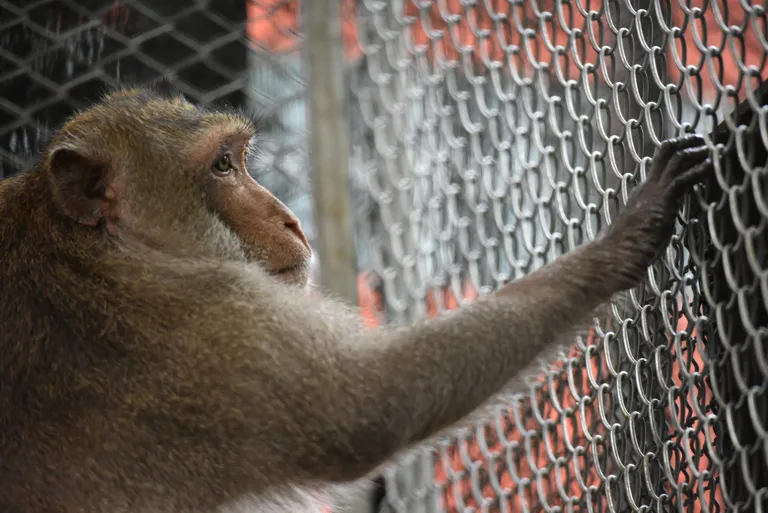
(146, 165)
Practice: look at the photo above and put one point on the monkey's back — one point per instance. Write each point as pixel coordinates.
(78, 368)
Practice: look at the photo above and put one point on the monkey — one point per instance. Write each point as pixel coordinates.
(160, 351)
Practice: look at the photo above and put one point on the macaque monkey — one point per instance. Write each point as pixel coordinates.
(158, 351)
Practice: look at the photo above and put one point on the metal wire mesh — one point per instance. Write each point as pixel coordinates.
(488, 137)
(496, 135)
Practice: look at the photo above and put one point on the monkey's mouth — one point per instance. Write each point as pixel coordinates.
(298, 273)
(287, 270)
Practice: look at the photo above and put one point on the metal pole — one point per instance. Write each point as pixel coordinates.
(329, 149)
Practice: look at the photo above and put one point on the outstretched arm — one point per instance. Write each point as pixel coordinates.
(346, 401)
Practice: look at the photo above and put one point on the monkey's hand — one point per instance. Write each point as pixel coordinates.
(645, 226)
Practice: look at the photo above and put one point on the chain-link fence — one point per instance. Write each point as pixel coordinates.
(486, 138)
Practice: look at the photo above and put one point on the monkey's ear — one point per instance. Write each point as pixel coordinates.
(81, 184)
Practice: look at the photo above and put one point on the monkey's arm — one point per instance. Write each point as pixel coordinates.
(258, 386)
(346, 401)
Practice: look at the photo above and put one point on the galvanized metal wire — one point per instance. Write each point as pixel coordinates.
(487, 138)
(498, 134)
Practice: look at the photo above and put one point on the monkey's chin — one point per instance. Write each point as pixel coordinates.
(297, 275)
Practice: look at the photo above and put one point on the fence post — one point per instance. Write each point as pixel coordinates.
(329, 148)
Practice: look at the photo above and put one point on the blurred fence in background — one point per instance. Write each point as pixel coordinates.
(485, 138)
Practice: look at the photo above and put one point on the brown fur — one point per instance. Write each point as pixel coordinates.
(152, 359)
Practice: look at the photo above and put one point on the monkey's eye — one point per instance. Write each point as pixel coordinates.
(224, 165)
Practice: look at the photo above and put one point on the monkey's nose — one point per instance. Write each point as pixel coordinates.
(294, 225)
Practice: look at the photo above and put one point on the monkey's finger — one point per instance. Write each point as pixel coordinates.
(684, 160)
(671, 146)
(693, 176)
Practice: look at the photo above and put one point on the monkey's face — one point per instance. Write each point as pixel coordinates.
(158, 168)
(269, 232)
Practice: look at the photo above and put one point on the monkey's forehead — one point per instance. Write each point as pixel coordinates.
(156, 101)
(153, 113)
